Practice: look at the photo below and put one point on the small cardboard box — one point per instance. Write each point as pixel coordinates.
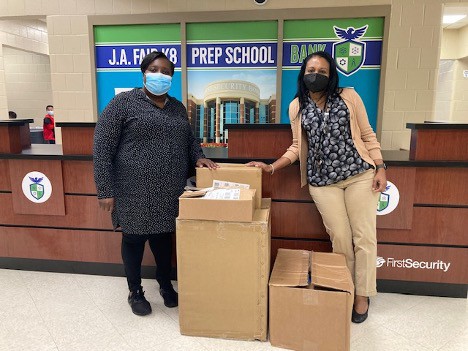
(222, 273)
(240, 210)
(232, 172)
(315, 314)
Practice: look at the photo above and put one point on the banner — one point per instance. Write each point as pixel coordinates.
(356, 46)
(120, 50)
(231, 76)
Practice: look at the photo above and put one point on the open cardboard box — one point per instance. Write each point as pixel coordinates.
(311, 301)
(233, 172)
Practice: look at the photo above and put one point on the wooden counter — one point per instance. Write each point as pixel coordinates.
(439, 141)
(429, 224)
(14, 135)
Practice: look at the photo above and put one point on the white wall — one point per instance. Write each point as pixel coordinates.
(460, 94)
(444, 95)
(452, 88)
(27, 83)
(22, 34)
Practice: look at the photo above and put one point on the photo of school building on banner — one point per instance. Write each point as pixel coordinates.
(231, 76)
(356, 46)
(119, 51)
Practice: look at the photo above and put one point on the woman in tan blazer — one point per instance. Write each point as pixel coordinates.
(341, 162)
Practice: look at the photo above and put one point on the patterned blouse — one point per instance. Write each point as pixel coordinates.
(332, 156)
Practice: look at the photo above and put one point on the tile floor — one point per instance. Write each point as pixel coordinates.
(67, 312)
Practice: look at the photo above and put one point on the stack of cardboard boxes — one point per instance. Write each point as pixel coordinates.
(223, 259)
(223, 265)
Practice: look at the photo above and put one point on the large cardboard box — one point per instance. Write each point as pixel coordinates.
(311, 301)
(240, 210)
(232, 172)
(222, 273)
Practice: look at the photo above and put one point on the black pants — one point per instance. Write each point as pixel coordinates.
(133, 246)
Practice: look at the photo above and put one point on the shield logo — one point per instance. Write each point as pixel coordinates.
(349, 56)
(37, 190)
(350, 53)
(383, 203)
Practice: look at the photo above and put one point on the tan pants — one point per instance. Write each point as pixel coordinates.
(348, 210)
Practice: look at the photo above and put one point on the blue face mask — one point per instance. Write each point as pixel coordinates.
(158, 83)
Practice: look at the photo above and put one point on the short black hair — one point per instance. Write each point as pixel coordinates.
(12, 114)
(49, 106)
(154, 55)
(333, 80)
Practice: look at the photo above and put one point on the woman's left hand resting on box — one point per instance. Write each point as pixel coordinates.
(272, 167)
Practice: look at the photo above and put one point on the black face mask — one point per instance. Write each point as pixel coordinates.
(315, 82)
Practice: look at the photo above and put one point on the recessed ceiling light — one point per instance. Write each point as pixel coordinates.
(449, 19)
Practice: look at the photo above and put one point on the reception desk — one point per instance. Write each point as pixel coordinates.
(14, 135)
(422, 244)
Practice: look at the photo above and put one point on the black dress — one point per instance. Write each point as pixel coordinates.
(142, 158)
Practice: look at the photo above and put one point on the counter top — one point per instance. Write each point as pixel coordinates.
(257, 126)
(15, 122)
(437, 125)
(55, 152)
(76, 124)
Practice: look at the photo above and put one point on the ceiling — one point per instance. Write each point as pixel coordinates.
(456, 10)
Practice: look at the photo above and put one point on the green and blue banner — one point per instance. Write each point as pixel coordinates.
(356, 46)
(231, 66)
(231, 75)
(119, 51)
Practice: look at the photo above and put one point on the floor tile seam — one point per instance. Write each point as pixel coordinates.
(44, 324)
(390, 320)
(88, 294)
(30, 290)
(15, 272)
(459, 334)
(193, 340)
(429, 348)
(172, 319)
(66, 345)
(442, 347)
(114, 327)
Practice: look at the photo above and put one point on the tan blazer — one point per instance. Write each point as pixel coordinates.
(363, 136)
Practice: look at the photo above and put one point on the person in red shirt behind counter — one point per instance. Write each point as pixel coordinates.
(49, 125)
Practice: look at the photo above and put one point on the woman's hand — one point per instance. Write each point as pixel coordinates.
(262, 165)
(380, 181)
(205, 162)
(107, 204)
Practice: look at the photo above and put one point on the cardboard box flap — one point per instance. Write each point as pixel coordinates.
(291, 268)
(329, 270)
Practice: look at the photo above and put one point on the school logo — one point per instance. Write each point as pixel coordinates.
(388, 199)
(383, 202)
(349, 53)
(36, 187)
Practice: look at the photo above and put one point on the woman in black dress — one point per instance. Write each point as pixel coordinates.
(144, 149)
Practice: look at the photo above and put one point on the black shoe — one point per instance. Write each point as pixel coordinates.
(140, 306)
(170, 297)
(360, 317)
